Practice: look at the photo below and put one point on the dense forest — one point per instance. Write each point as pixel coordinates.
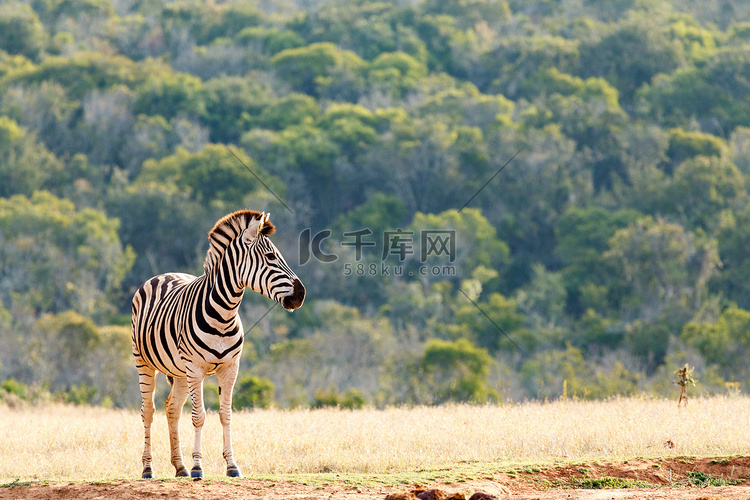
(487, 200)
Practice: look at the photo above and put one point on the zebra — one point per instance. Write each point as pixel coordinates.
(188, 328)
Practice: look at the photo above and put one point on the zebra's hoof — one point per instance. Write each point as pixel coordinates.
(234, 472)
(196, 473)
(147, 473)
(182, 472)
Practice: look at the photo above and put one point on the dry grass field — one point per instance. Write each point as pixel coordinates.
(63, 443)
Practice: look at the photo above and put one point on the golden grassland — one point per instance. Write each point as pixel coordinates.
(67, 443)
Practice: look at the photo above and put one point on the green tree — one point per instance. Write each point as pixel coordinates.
(229, 103)
(61, 346)
(666, 269)
(171, 94)
(270, 40)
(25, 164)
(344, 350)
(502, 312)
(365, 27)
(252, 392)
(227, 21)
(511, 68)
(583, 236)
(544, 299)
(525, 200)
(701, 189)
(476, 242)
(213, 174)
(164, 225)
(552, 373)
(56, 257)
(733, 235)
(469, 12)
(294, 109)
(631, 54)
(708, 93)
(307, 68)
(468, 106)
(684, 145)
(664, 263)
(396, 73)
(722, 342)
(83, 72)
(456, 371)
(21, 31)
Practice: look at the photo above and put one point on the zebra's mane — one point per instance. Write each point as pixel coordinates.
(228, 228)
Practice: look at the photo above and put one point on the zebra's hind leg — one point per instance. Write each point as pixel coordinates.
(195, 377)
(227, 376)
(147, 382)
(173, 406)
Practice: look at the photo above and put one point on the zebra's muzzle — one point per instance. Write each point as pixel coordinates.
(296, 297)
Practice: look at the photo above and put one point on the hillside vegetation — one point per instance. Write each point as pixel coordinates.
(486, 199)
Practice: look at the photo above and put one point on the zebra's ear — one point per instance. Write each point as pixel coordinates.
(254, 228)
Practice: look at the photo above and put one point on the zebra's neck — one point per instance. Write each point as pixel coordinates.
(223, 295)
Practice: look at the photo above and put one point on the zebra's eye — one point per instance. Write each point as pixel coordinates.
(270, 256)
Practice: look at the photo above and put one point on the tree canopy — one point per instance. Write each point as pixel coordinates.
(486, 199)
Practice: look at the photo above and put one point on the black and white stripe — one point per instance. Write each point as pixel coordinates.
(187, 327)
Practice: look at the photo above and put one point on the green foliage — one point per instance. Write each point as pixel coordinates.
(21, 32)
(684, 145)
(229, 103)
(81, 73)
(79, 395)
(307, 68)
(25, 165)
(13, 386)
(294, 109)
(456, 371)
(631, 55)
(352, 399)
(724, 342)
(228, 21)
(502, 311)
(272, 40)
(707, 93)
(583, 237)
(252, 392)
(590, 156)
(701, 479)
(211, 174)
(701, 189)
(607, 482)
(665, 265)
(521, 59)
(170, 95)
(477, 242)
(469, 12)
(56, 257)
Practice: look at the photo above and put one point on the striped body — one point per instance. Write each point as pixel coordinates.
(187, 328)
(173, 328)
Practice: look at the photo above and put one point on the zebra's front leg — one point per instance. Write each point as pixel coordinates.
(227, 376)
(195, 376)
(173, 406)
(147, 382)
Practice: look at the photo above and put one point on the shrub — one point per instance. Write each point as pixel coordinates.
(13, 386)
(253, 392)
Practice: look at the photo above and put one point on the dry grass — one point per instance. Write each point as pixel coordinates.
(71, 443)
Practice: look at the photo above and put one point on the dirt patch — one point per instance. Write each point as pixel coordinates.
(681, 478)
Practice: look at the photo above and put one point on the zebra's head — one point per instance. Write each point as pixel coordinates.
(257, 263)
(267, 272)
